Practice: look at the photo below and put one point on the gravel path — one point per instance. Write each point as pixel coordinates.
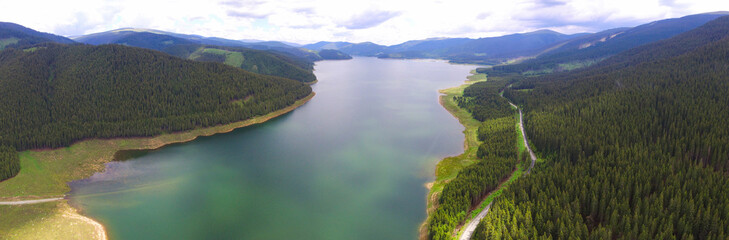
(30, 201)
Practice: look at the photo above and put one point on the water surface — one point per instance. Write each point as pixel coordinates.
(349, 164)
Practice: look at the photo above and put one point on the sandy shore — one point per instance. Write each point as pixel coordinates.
(71, 213)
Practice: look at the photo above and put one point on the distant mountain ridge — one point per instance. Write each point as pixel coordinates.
(119, 36)
(545, 48)
(360, 49)
(482, 50)
(14, 35)
(540, 51)
(598, 46)
(114, 35)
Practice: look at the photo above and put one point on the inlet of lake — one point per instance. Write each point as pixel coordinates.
(349, 164)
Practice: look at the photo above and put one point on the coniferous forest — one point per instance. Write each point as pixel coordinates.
(630, 124)
(497, 157)
(257, 61)
(635, 147)
(57, 94)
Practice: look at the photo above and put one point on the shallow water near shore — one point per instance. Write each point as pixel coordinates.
(349, 164)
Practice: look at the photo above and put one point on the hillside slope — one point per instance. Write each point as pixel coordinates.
(636, 147)
(59, 94)
(257, 61)
(508, 46)
(271, 46)
(14, 35)
(596, 47)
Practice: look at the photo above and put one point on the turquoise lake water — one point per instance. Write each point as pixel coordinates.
(349, 164)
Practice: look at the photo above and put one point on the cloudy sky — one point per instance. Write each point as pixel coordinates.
(380, 21)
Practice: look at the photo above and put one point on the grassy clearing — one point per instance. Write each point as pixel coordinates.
(8, 41)
(521, 147)
(196, 54)
(476, 77)
(568, 66)
(240, 102)
(234, 59)
(577, 64)
(45, 174)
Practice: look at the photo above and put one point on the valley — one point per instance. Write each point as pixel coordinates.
(557, 132)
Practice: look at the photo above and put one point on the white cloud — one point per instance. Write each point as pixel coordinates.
(380, 21)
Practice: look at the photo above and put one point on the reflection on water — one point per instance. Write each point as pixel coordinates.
(350, 164)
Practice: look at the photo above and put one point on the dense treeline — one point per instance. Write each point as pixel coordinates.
(465, 191)
(638, 147)
(483, 101)
(9, 162)
(497, 158)
(498, 137)
(636, 193)
(59, 94)
(269, 62)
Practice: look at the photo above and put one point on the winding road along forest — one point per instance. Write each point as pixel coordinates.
(471, 225)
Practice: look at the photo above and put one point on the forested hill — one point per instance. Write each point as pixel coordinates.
(121, 35)
(14, 35)
(634, 151)
(58, 94)
(596, 47)
(294, 64)
(258, 61)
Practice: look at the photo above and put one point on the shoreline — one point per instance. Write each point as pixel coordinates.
(157, 143)
(91, 162)
(74, 213)
(448, 167)
(440, 101)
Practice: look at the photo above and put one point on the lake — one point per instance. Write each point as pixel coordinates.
(350, 164)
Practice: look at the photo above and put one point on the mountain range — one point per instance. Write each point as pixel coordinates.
(535, 52)
(543, 50)
(595, 47)
(14, 35)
